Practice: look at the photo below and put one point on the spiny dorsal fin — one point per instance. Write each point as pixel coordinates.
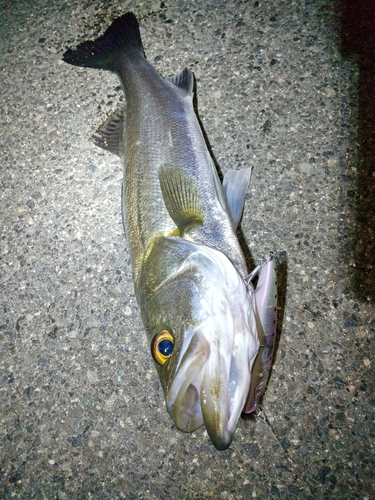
(235, 185)
(183, 80)
(109, 134)
(181, 197)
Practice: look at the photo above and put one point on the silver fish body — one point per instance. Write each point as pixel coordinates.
(189, 271)
(165, 150)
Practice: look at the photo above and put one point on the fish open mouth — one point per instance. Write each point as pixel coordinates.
(183, 398)
(206, 380)
(210, 388)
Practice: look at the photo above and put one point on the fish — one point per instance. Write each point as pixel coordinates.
(211, 331)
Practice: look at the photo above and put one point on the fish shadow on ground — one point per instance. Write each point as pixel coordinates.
(281, 257)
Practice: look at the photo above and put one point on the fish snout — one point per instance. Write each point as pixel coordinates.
(215, 410)
(205, 392)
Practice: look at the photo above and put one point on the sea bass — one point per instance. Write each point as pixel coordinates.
(211, 332)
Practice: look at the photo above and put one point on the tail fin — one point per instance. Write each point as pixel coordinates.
(102, 53)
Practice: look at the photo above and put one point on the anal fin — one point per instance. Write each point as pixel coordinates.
(183, 80)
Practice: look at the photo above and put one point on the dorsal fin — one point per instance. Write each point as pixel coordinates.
(109, 134)
(183, 80)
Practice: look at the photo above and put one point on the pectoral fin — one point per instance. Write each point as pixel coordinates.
(235, 184)
(181, 197)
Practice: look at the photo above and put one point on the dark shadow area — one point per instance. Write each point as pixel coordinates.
(358, 44)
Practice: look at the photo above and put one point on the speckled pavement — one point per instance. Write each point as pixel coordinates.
(82, 412)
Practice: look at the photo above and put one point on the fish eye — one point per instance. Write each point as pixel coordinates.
(162, 346)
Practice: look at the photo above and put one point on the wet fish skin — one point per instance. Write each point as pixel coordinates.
(180, 223)
(160, 129)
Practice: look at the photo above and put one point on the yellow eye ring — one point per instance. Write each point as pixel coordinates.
(162, 346)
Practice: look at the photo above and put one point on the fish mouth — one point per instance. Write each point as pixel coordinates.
(209, 388)
(183, 397)
(223, 397)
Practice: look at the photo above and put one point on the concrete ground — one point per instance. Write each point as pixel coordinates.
(282, 85)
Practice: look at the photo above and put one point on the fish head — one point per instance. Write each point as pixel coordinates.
(202, 331)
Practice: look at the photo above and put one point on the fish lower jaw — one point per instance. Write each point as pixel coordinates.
(189, 418)
(196, 408)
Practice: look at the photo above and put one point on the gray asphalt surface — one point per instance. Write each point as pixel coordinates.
(82, 412)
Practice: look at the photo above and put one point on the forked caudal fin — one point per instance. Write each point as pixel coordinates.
(123, 35)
